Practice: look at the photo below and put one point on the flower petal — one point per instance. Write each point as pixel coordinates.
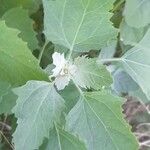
(61, 82)
(58, 59)
(72, 69)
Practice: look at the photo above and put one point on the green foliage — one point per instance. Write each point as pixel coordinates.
(38, 107)
(137, 63)
(31, 5)
(61, 140)
(7, 97)
(79, 25)
(90, 74)
(22, 22)
(137, 13)
(100, 112)
(92, 61)
(123, 83)
(131, 35)
(17, 64)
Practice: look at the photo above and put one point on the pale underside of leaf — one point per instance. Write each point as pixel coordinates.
(90, 74)
(136, 63)
(61, 140)
(97, 118)
(38, 107)
(79, 25)
(137, 13)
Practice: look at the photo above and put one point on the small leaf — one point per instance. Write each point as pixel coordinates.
(90, 74)
(137, 13)
(17, 64)
(97, 119)
(22, 22)
(38, 107)
(79, 25)
(62, 140)
(7, 97)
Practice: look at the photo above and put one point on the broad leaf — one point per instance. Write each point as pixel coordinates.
(140, 95)
(137, 13)
(17, 64)
(22, 22)
(7, 97)
(90, 74)
(31, 5)
(137, 63)
(97, 118)
(130, 34)
(108, 51)
(38, 107)
(70, 95)
(62, 140)
(79, 25)
(123, 83)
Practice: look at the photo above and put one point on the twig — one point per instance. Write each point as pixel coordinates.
(6, 140)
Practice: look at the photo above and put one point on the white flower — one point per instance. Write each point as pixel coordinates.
(63, 70)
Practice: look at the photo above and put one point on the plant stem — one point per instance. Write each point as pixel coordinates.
(4, 122)
(42, 51)
(111, 60)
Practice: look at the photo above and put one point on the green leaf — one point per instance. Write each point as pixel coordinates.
(22, 22)
(17, 64)
(136, 62)
(7, 97)
(61, 140)
(131, 35)
(97, 118)
(140, 95)
(79, 25)
(70, 95)
(108, 51)
(90, 74)
(31, 5)
(137, 13)
(38, 107)
(123, 83)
